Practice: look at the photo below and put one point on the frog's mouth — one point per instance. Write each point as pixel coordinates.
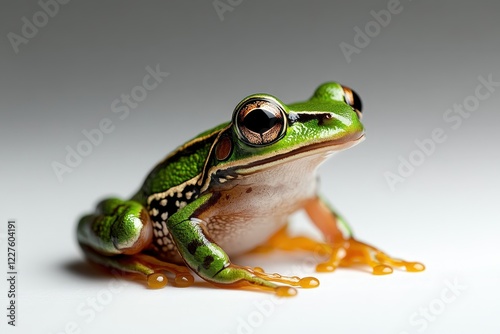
(319, 151)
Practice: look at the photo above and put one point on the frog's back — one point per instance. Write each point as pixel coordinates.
(182, 165)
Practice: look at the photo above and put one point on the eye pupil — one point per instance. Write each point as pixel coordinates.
(260, 120)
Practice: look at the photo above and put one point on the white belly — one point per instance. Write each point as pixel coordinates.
(252, 208)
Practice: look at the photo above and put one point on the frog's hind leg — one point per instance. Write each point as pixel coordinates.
(114, 238)
(142, 267)
(342, 249)
(346, 250)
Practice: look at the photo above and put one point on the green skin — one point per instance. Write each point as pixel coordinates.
(190, 180)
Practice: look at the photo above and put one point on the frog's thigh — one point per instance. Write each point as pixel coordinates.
(115, 236)
(210, 261)
(346, 250)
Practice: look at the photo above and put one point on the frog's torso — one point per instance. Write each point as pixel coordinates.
(247, 207)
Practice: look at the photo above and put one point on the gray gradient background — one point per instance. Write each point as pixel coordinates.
(428, 58)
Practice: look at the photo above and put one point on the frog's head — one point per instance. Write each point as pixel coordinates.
(264, 131)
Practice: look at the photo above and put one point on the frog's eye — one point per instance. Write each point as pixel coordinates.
(260, 122)
(352, 99)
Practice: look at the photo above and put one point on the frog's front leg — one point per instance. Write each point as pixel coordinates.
(212, 264)
(115, 236)
(346, 250)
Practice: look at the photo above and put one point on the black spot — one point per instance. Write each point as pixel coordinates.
(207, 261)
(227, 196)
(249, 190)
(193, 246)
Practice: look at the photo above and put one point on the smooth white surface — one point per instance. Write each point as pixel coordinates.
(60, 290)
(57, 288)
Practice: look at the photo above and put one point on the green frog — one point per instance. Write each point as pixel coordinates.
(231, 190)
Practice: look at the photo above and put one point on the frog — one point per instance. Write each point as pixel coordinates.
(231, 190)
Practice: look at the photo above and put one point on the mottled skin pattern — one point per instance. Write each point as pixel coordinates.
(232, 188)
(163, 205)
